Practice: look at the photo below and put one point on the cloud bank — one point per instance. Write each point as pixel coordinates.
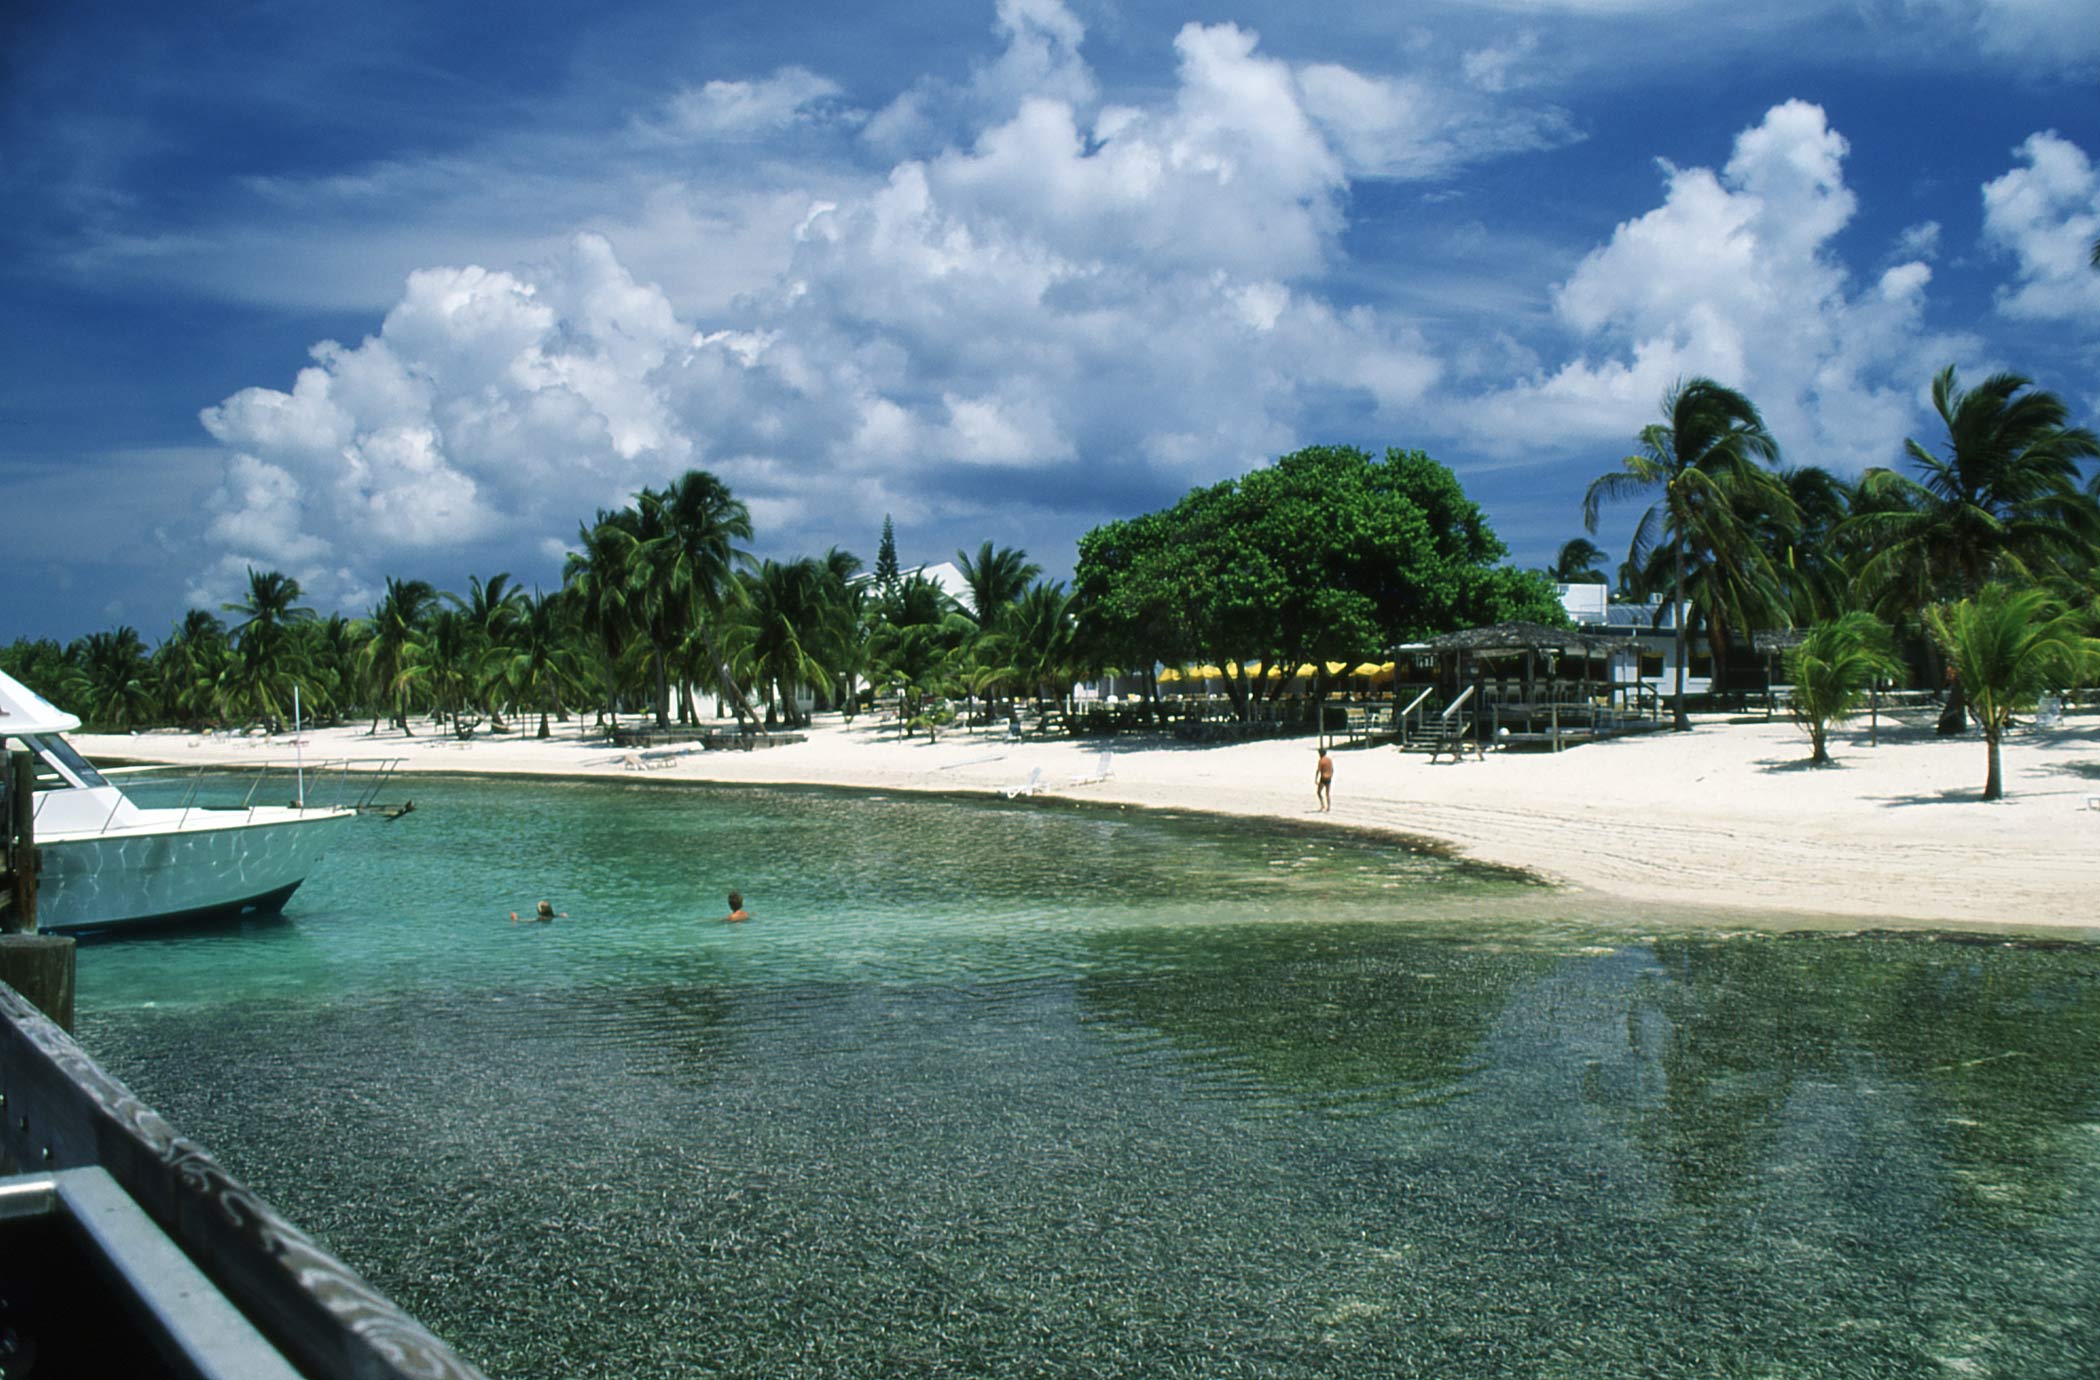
(1030, 306)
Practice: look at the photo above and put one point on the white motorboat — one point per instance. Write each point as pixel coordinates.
(107, 862)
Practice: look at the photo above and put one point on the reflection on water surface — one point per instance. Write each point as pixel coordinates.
(1011, 1091)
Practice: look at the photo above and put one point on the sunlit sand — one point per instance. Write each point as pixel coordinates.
(1727, 818)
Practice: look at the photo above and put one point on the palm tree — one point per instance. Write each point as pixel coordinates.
(1705, 459)
(446, 662)
(493, 608)
(784, 639)
(691, 558)
(259, 681)
(397, 621)
(602, 579)
(1578, 563)
(846, 612)
(917, 647)
(1043, 632)
(996, 578)
(188, 664)
(329, 647)
(1814, 561)
(1833, 667)
(537, 664)
(118, 679)
(271, 605)
(2008, 646)
(2000, 502)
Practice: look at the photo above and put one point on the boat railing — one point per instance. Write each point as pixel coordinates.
(341, 783)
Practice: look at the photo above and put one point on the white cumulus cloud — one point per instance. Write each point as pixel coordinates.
(1734, 277)
(2046, 216)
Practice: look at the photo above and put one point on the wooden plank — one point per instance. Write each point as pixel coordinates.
(65, 1112)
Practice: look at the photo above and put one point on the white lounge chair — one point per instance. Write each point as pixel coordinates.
(1032, 786)
(1104, 767)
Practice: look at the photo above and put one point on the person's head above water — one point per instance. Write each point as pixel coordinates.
(736, 900)
(544, 910)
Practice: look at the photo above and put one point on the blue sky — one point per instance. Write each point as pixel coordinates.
(357, 291)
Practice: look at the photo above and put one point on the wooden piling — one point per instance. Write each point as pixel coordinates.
(40, 967)
(19, 912)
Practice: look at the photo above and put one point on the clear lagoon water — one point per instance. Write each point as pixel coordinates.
(1028, 1090)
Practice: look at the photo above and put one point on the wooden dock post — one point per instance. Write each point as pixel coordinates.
(39, 966)
(18, 906)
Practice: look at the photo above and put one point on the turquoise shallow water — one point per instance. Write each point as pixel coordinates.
(1006, 1090)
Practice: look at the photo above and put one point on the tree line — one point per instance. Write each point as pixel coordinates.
(1330, 555)
(1978, 569)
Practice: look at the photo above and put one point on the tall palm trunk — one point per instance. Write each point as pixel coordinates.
(728, 683)
(1681, 722)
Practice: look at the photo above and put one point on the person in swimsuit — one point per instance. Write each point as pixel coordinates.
(736, 909)
(541, 914)
(1323, 780)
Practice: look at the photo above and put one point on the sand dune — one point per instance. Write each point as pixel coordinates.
(1725, 819)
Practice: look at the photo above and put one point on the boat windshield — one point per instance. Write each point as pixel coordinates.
(58, 765)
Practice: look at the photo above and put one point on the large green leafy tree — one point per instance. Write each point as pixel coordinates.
(1704, 463)
(1330, 554)
(2007, 647)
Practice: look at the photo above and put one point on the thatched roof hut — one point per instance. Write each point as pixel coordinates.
(1510, 639)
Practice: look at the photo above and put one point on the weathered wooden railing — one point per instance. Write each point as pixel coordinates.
(59, 1110)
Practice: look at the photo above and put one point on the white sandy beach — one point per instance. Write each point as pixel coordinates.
(1727, 819)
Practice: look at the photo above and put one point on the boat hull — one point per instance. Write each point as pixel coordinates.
(150, 875)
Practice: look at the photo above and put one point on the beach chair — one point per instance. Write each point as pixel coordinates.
(1104, 767)
(1032, 786)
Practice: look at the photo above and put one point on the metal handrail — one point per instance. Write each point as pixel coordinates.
(373, 773)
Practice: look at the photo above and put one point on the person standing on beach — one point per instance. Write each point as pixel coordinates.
(1323, 781)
